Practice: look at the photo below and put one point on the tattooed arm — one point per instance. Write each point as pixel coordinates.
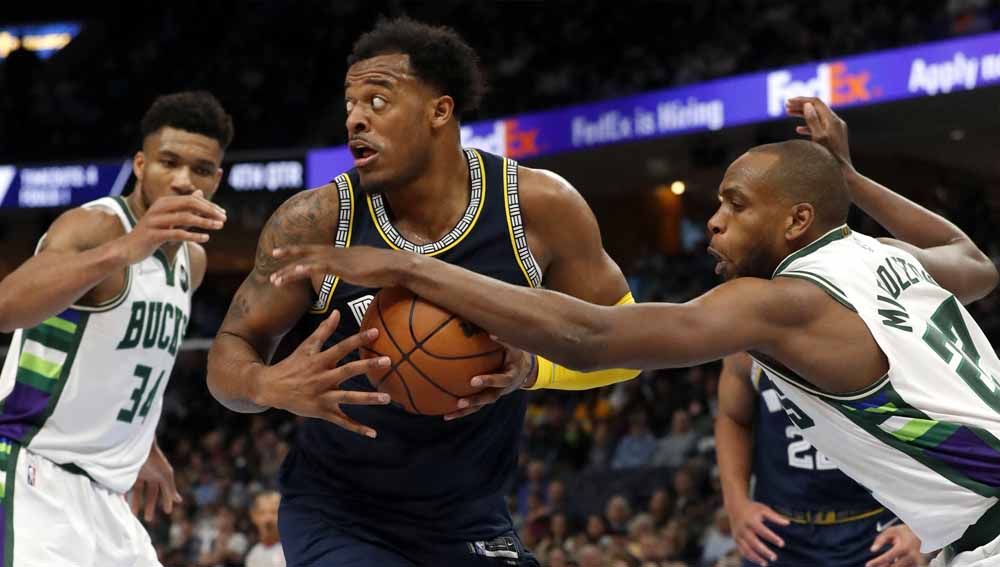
(305, 383)
(261, 314)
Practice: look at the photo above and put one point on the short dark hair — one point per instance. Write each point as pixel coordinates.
(438, 56)
(806, 172)
(193, 111)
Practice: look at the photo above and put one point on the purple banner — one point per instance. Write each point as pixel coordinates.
(925, 70)
(61, 185)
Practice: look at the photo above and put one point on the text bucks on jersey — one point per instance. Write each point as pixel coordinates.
(85, 387)
(930, 426)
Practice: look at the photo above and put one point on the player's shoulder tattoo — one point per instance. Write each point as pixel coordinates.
(308, 217)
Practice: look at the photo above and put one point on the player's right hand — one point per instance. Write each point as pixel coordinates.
(307, 382)
(170, 219)
(749, 528)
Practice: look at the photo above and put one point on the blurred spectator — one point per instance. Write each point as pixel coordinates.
(658, 507)
(224, 547)
(673, 448)
(557, 558)
(590, 556)
(534, 484)
(617, 514)
(594, 534)
(556, 536)
(718, 540)
(636, 448)
(264, 514)
(602, 448)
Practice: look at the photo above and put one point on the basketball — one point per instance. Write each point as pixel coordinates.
(434, 353)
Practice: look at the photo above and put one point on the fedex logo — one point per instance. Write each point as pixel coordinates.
(833, 83)
(503, 137)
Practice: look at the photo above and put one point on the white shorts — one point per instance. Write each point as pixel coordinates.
(985, 556)
(55, 517)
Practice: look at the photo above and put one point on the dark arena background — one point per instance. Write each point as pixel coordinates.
(640, 105)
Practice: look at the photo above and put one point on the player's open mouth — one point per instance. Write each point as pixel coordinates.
(721, 263)
(363, 154)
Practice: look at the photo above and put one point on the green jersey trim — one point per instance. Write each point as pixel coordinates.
(823, 283)
(791, 377)
(842, 231)
(128, 211)
(114, 301)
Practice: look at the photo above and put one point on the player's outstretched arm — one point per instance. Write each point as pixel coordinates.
(569, 243)
(305, 383)
(734, 445)
(564, 329)
(950, 256)
(85, 247)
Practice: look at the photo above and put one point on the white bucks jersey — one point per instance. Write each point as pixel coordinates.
(923, 438)
(85, 387)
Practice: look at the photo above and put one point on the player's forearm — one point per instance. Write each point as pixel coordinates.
(733, 443)
(904, 219)
(561, 328)
(234, 371)
(964, 269)
(47, 284)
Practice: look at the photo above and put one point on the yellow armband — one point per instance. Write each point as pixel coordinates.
(551, 376)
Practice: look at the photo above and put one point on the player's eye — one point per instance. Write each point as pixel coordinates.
(378, 103)
(349, 105)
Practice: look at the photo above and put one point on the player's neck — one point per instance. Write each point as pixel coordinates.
(432, 204)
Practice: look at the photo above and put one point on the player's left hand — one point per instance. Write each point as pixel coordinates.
(155, 482)
(904, 548)
(519, 368)
(360, 265)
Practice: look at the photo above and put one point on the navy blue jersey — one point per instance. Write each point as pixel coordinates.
(423, 478)
(789, 472)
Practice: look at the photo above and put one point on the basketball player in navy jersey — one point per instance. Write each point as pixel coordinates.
(367, 484)
(804, 511)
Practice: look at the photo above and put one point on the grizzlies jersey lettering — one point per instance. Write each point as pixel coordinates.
(930, 426)
(84, 388)
(788, 471)
(422, 477)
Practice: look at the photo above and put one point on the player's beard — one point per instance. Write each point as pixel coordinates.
(758, 263)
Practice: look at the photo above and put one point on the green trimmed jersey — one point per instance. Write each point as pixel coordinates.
(84, 388)
(923, 438)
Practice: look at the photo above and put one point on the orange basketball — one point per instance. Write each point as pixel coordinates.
(434, 353)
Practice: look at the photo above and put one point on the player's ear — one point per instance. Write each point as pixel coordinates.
(798, 222)
(442, 109)
(138, 162)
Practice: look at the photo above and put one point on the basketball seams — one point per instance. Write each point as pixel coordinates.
(405, 356)
(431, 381)
(460, 357)
(418, 343)
(409, 394)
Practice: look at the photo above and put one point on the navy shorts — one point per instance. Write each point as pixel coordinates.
(311, 538)
(835, 545)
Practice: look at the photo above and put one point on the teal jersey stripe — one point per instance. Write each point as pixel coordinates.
(51, 337)
(36, 380)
